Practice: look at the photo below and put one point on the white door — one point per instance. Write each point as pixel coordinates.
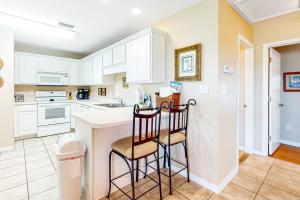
(131, 62)
(143, 59)
(73, 67)
(28, 67)
(27, 122)
(97, 69)
(274, 104)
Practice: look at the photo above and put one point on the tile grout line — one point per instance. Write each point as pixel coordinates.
(27, 184)
(265, 179)
(48, 154)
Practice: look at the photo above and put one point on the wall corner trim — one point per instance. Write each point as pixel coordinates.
(212, 187)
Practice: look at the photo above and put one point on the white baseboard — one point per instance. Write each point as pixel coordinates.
(241, 148)
(259, 153)
(9, 148)
(212, 187)
(291, 143)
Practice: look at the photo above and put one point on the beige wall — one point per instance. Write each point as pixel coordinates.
(197, 24)
(7, 91)
(230, 25)
(44, 51)
(275, 29)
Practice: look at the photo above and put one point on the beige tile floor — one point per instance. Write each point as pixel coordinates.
(29, 173)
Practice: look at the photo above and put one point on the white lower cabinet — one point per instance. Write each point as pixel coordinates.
(25, 122)
(75, 107)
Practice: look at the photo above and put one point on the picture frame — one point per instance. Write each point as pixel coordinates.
(291, 82)
(188, 63)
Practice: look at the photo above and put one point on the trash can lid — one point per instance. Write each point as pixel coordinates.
(70, 143)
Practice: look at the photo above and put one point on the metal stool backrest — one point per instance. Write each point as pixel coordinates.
(179, 117)
(149, 121)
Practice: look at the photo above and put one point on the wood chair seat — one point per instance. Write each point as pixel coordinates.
(174, 138)
(124, 147)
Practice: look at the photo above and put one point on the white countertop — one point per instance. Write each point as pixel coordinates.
(108, 117)
(90, 102)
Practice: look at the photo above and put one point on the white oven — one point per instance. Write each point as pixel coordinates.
(53, 113)
(48, 78)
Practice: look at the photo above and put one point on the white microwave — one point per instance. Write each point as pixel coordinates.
(48, 78)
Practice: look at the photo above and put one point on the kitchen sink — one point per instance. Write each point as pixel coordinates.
(111, 105)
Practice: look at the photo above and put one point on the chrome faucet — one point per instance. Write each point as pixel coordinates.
(120, 101)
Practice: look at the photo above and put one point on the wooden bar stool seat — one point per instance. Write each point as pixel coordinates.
(124, 147)
(144, 142)
(174, 138)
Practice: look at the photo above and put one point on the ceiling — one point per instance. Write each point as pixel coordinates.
(98, 23)
(258, 10)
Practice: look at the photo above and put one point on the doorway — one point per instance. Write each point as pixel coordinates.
(245, 97)
(284, 109)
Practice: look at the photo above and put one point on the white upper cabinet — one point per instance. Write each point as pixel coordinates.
(119, 55)
(73, 69)
(60, 65)
(107, 58)
(45, 64)
(145, 58)
(27, 69)
(97, 69)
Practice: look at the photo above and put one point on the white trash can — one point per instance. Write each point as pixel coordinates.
(69, 150)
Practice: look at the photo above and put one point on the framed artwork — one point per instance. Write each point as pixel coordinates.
(291, 82)
(188, 63)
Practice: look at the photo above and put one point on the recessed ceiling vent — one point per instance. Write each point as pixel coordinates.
(66, 26)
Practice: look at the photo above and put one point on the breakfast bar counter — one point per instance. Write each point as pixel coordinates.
(98, 130)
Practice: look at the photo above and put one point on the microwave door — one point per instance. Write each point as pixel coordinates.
(50, 79)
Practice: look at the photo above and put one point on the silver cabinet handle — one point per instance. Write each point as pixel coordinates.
(245, 106)
(281, 105)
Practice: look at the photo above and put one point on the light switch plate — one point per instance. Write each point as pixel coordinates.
(203, 89)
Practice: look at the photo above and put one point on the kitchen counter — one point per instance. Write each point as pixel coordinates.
(108, 117)
(90, 102)
(98, 130)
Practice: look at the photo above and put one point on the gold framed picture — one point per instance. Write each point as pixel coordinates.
(188, 63)
(1, 63)
(1, 82)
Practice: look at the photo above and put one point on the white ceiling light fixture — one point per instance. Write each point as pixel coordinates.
(59, 30)
(136, 11)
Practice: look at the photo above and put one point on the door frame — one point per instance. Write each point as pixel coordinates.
(249, 94)
(265, 96)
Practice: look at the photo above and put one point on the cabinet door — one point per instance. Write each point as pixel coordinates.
(108, 59)
(97, 69)
(143, 59)
(89, 71)
(60, 65)
(27, 122)
(28, 69)
(45, 64)
(131, 61)
(119, 55)
(73, 68)
(17, 68)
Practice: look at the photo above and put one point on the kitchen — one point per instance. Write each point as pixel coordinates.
(96, 69)
(88, 77)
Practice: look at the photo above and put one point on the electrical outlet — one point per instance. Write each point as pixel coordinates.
(288, 127)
